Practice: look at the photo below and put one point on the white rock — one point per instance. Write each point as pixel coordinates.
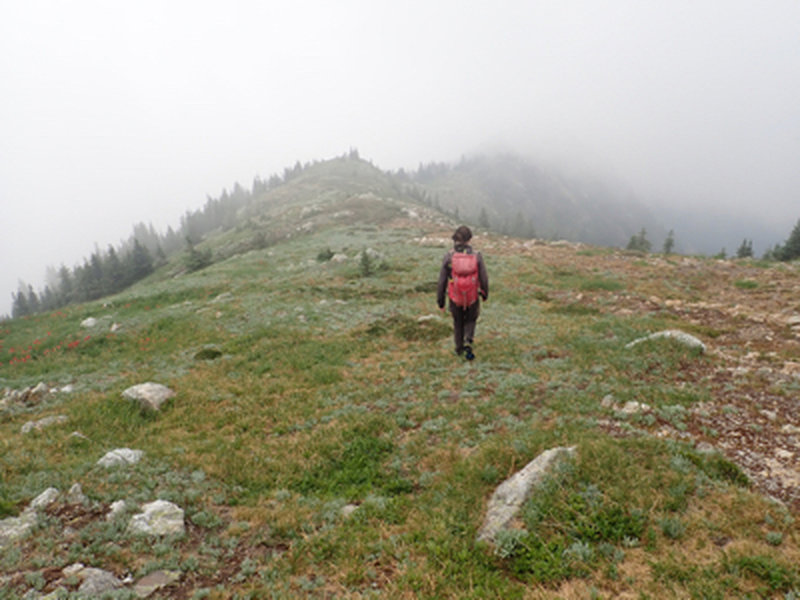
(13, 528)
(149, 395)
(155, 581)
(349, 509)
(73, 569)
(633, 407)
(89, 323)
(42, 423)
(680, 336)
(120, 456)
(43, 500)
(771, 415)
(117, 508)
(75, 494)
(97, 582)
(158, 518)
(510, 495)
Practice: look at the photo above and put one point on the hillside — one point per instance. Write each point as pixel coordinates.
(525, 199)
(324, 441)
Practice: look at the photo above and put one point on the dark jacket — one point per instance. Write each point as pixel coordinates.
(445, 274)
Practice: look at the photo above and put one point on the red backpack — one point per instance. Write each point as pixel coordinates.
(463, 287)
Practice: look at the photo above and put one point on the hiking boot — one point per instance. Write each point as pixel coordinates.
(468, 354)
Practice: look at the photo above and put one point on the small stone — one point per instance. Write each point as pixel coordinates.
(151, 396)
(75, 494)
(155, 581)
(789, 429)
(680, 336)
(771, 415)
(348, 510)
(43, 500)
(42, 423)
(706, 448)
(120, 456)
(117, 508)
(89, 323)
(607, 401)
(73, 569)
(97, 582)
(633, 407)
(158, 518)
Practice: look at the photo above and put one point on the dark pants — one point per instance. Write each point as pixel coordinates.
(464, 320)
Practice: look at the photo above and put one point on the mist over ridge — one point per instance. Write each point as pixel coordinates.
(503, 192)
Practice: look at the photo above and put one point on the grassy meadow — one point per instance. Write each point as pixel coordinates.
(307, 387)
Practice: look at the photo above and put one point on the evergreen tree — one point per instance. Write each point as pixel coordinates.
(19, 307)
(745, 250)
(483, 218)
(33, 301)
(196, 259)
(65, 291)
(791, 248)
(139, 263)
(639, 242)
(366, 264)
(669, 242)
(113, 273)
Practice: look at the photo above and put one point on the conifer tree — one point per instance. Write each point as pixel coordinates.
(483, 219)
(745, 250)
(639, 242)
(791, 248)
(669, 242)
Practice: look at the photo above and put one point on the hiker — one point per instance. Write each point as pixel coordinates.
(463, 279)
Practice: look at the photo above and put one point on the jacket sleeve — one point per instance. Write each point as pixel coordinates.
(483, 277)
(444, 276)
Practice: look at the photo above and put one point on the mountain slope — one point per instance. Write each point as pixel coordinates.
(324, 441)
(520, 197)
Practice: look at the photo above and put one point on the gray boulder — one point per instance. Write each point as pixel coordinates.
(510, 495)
(150, 396)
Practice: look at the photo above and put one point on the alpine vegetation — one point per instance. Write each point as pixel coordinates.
(290, 420)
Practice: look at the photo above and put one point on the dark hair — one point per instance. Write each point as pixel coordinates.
(462, 235)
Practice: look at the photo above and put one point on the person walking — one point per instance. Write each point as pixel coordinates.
(464, 280)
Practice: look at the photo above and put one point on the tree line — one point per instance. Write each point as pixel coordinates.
(789, 250)
(108, 272)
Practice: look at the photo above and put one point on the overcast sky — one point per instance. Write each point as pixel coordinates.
(114, 112)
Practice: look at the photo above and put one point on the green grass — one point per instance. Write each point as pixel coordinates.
(303, 386)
